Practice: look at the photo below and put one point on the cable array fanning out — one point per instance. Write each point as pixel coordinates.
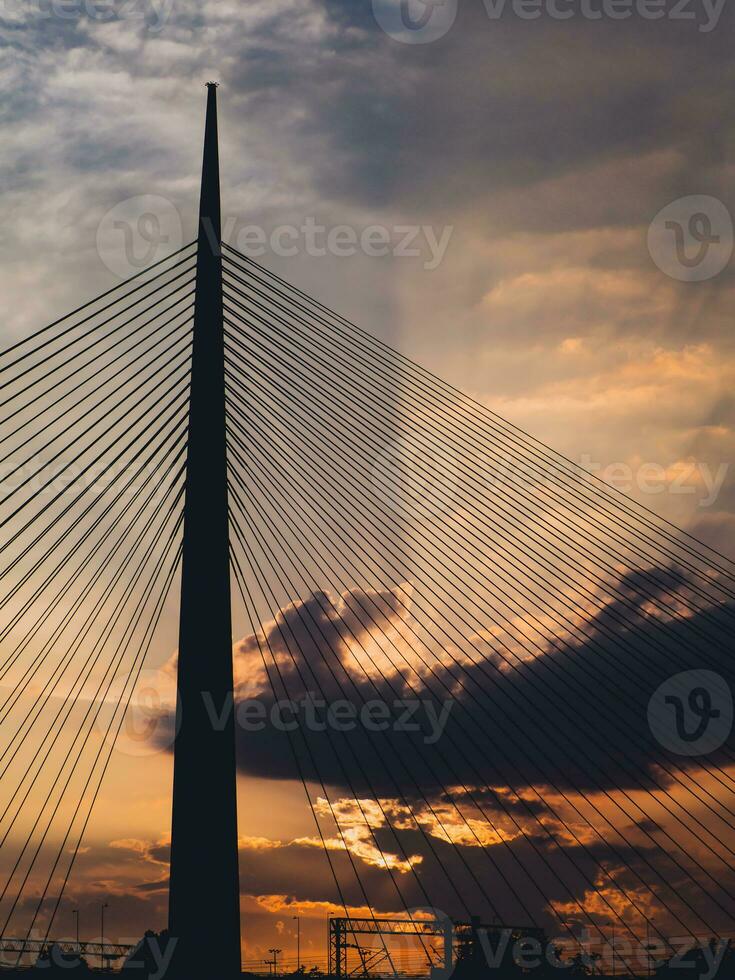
(395, 541)
(496, 618)
(93, 451)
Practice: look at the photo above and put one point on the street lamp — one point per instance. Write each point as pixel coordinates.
(298, 943)
(75, 913)
(102, 934)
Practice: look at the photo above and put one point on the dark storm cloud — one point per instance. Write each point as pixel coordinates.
(533, 106)
(575, 718)
(502, 125)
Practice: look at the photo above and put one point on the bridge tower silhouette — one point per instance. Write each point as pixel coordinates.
(204, 894)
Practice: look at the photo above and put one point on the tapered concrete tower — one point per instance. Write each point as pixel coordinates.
(204, 894)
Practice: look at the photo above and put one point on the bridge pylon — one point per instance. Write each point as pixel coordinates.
(204, 895)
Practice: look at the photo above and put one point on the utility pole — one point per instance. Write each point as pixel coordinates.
(274, 961)
(102, 934)
(204, 891)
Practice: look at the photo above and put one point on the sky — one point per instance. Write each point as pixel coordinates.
(497, 195)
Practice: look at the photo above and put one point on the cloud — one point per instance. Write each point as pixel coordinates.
(574, 718)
